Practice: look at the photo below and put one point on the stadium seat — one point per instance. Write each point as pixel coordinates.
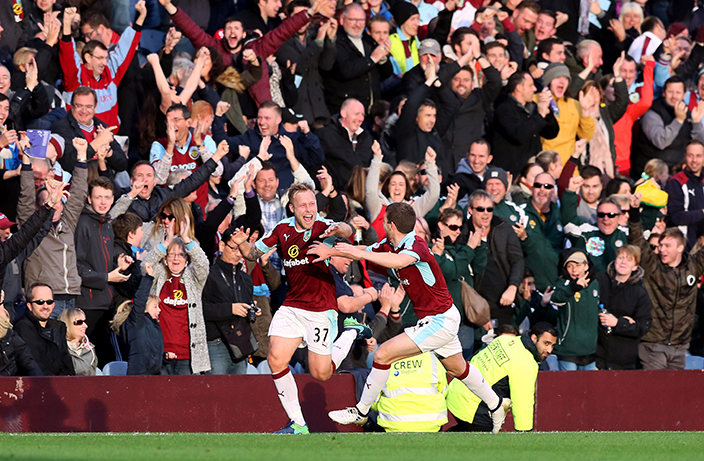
(693, 362)
(552, 362)
(251, 370)
(115, 369)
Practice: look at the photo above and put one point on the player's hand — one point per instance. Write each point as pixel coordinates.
(347, 250)
(321, 250)
(240, 236)
(333, 229)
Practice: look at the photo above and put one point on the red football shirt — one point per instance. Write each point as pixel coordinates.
(423, 280)
(311, 286)
(174, 318)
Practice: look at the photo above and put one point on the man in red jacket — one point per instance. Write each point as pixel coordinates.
(232, 44)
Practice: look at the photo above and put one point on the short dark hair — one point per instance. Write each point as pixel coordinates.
(426, 103)
(459, 34)
(672, 81)
(294, 4)
(95, 19)
(528, 5)
(549, 13)
(378, 18)
(589, 171)
(84, 91)
(30, 291)
(402, 215)
(614, 185)
(267, 166)
(481, 142)
(3, 97)
(138, 164)
(492, 45)
(516, 79)
(227, 235)
(650, 23)
(125, 224)
(185, 112)
(101, 181)
(540, 328)
(90, 47)
(545, 46)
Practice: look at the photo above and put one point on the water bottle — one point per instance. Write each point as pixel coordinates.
(358, 236)
(603, 310)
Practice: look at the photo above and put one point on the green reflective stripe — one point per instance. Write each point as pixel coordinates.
(412, 418)
(410, 390)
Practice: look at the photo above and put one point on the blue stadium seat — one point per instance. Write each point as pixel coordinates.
(115, 369)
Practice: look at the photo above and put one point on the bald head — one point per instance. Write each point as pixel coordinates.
(352, 115)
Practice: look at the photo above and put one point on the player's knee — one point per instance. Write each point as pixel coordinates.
(276, 362)
(381, 356)
(321, 375)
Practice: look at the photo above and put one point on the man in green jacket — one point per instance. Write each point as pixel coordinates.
(541, 234)
(600, 241)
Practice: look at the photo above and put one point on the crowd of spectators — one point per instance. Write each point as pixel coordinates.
(553, 152)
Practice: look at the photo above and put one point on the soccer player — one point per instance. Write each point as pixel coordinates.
(439, 320)
(308, 316)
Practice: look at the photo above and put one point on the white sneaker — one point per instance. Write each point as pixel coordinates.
(498, 416)
(349, 415)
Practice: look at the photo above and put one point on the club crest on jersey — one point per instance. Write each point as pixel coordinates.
(531, 223)
(595, 246)
(293, 251)
(307, 234)
(577, 296)
(193, 153)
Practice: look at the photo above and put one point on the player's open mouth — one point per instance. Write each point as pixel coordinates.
(308, 218)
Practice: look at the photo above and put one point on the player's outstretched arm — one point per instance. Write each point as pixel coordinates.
(341, 230)
(390, 260)
(322, 251)
(248, 250)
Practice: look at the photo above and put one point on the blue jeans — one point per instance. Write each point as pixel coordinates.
(176, 367)
(61, 305)
(563, 365)
(221, 361)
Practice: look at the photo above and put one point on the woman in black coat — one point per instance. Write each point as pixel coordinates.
(629, 311)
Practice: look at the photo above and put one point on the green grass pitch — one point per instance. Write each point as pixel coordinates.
(621, 446)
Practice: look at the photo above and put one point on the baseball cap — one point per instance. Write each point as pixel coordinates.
(5, 223)
(576, 257)
(429, 46)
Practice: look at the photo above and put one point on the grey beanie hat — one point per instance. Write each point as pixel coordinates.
(554, 70)
(494, 172)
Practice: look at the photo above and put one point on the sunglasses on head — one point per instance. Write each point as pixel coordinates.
(602, 214)
(79, 322)
(453, 227)
(165, 216)
(40, 302)
(546, 186)
(482, 209)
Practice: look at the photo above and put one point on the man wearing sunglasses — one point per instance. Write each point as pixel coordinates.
(542, 234)
(499, 282)
(600, 241)
(44, 336)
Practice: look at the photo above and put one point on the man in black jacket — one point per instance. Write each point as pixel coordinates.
(45, 337)
(422, 123)
(94, 260)
(144, 198)
(81, 122)
(227, 296)
(519, 123)
(345, 143)
(360, 66)
(499, 282)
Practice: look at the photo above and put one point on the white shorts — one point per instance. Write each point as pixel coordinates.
(438, 333)
(318, 329)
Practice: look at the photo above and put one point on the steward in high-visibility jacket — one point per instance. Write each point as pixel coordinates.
(510, 365)
(414, 397)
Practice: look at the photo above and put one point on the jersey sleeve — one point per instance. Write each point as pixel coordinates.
(415, 250)
(269, 241)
